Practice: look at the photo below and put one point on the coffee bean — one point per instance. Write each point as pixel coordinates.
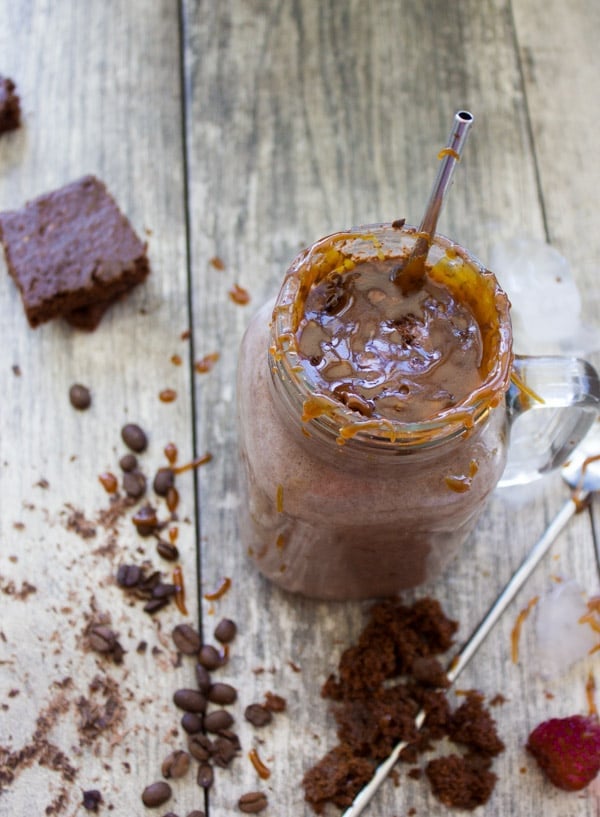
(91, 800)
(190, 700)
(128, 462)
(253, 802)
(167, 551)
(225, 630)
(164, 591)
(196, 813)
(205, 776)
(203, 678)
(134, 437)
(200, 747)
(163, 481)
(175, 764)
(146, 520)
(80, 397)
(224, 751)
(258, 715)
(187, 639)
(156, 794)
(217, 720)
(222, 694)
(191, 722)
(209, 657)
(102, 639)
(154, 605)
(129, 575)
(134, 484)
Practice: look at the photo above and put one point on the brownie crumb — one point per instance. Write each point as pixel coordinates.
(458, 782)
(381, 684)
(10, 105)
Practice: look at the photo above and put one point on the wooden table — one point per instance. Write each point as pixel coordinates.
(243, 131)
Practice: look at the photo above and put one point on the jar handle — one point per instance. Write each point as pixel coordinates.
(551, 404)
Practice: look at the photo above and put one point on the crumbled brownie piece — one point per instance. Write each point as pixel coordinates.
(459, 783)
(71, 253)
(10, 106)
(473, 726)
(336, 778)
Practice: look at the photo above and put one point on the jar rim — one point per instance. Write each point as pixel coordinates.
(326, 416)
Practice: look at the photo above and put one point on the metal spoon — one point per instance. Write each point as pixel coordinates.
(410, 274)
(582, 474)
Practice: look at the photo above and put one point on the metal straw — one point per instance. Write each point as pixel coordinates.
(462, 658)
(411, 273)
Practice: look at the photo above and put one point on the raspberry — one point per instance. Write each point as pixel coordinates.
(567, 750)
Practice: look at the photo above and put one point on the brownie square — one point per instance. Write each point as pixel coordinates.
(71, 250)
(10, 107)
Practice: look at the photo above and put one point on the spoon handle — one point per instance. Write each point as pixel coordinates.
(462, 658)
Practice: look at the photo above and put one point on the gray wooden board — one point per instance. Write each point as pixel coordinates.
(291, 120)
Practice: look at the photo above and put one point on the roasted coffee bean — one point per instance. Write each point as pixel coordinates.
(134, 484)
(191, 722)
(253, 802)
(148, 583)
(128, 462)
(223, 694)
(196, 813)
(156, 794)
(224, 751)
(129, 575)
(225, 630)
(200, 747)
(146, 520)
(187, 639)
(175, 764)
(217, 720)
(203, 678)
(163, 480)
(209, 657)
(154, 605)
(167, 551)
(134, 437)
(258, 715)
(190, 700)
(164, 591)
(205, 776)
(91, 799)
(80, 397)
(102, 638)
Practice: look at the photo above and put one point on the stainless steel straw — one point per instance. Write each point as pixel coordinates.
(411, 273)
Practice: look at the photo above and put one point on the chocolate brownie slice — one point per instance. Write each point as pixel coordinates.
(71, 250)
(10, 107)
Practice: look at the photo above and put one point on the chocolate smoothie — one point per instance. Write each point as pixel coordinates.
(373, 431)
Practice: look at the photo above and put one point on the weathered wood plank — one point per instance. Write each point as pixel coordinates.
(304, 120)
(100, 87)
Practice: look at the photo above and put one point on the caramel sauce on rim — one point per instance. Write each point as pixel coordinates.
(451, 266)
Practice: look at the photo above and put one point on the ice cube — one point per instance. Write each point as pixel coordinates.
(562, 638)
(546, 304)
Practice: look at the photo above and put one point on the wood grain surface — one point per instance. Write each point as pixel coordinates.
(233, 134)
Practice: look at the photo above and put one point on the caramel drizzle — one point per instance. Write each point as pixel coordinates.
(189, 466)
(590, 693)
(180, 592)
(263, 771)
(516, 630)
(220, 591)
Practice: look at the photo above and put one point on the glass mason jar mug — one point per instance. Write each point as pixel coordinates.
(374, 417)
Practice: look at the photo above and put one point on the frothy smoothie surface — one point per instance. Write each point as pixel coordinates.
(384, 354)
